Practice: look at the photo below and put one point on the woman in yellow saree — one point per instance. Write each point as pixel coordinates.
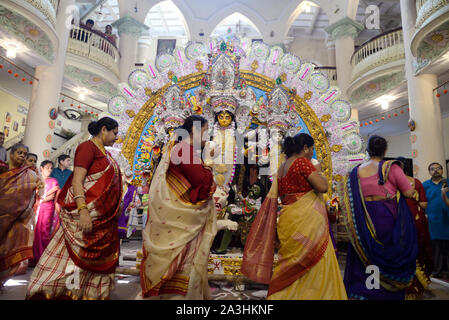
(307, 267)
(181, 223)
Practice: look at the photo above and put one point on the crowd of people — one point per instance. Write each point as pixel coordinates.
(69, 224)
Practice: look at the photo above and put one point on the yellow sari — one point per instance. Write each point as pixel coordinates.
(307, 268)
(176, 239)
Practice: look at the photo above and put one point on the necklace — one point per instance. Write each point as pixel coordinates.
(102, 149)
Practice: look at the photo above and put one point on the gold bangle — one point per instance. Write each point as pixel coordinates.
(82, 207)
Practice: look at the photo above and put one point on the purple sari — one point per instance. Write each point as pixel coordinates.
(123, 220)
(382, 234)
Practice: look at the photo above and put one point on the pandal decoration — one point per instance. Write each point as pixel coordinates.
(263, 86)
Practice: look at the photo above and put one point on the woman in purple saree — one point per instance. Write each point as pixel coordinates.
(381, 229)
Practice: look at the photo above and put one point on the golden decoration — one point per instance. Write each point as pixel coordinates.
(220, 179)
(130, 113)
(119, 140)
(336, 148)
(283, 77)
(308, 95)
(170, 75)
(325, 118)
(338, 177)
(199, 66)
(148, 92)
(254, 65)
(253, 79)
(221, 168)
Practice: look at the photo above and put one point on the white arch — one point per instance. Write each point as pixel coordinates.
(251, 16)
(240, 16)
(179, 13)
(334, 9)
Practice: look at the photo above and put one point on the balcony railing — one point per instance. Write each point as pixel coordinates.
(331, 72)
(380, 50)
(94, 46)
(47, 7)
(426, 8)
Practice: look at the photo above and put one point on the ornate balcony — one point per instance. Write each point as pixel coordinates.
(31, 24)
(378, 65)
(431, 39)
(47, 7)
(425, 9)
(92, 61)
(95, 47)
(331, 72)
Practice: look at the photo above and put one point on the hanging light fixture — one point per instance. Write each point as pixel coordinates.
(82, 94)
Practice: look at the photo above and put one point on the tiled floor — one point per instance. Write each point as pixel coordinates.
(127, 286)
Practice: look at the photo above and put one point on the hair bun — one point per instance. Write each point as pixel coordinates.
(93, 128)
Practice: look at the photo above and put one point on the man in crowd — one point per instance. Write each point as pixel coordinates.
(437, 193)
(62, 172)
(2, 149)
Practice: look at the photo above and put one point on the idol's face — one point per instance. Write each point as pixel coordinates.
(224, 119)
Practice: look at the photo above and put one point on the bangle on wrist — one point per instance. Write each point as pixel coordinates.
(79, 196)
(82, 207)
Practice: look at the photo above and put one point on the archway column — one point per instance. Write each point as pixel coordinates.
(45, 92)
(129, 30)
(343, 33)
(427, 142)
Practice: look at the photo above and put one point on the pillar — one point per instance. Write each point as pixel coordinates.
(129, 30)
(45, 92)
(427, 142)
(343, 33)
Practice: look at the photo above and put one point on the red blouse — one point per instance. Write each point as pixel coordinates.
(89, 157)
(295, 181)
(200, 178)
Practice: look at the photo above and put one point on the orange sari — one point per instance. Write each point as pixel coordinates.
(17, 194)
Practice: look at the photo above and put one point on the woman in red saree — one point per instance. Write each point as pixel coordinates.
(18, 186)
(80, 261)
(307, 268)
(424, 263)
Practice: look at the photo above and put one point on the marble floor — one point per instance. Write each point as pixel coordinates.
(128, 285)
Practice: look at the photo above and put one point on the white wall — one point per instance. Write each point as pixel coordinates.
(401, 146)
(313, 50)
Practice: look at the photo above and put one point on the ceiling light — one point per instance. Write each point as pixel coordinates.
(11, 50)
(82, 94)
(384, 105)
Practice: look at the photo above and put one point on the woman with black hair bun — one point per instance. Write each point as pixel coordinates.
(382, 229)
(181, 220)
(307, 256)
(86, 242)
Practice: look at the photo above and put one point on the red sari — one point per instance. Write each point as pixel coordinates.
(94, 255)
(424, 264)
(17, 193)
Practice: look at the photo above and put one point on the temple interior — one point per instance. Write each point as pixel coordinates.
(340, 71)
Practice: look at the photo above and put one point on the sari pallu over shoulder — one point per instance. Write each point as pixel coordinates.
(17, 194)
(98, 250)
(177, 237)
(304, 235)
(396, 259)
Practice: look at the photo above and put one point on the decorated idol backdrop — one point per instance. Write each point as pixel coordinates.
(236, 85)
(242, 88)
